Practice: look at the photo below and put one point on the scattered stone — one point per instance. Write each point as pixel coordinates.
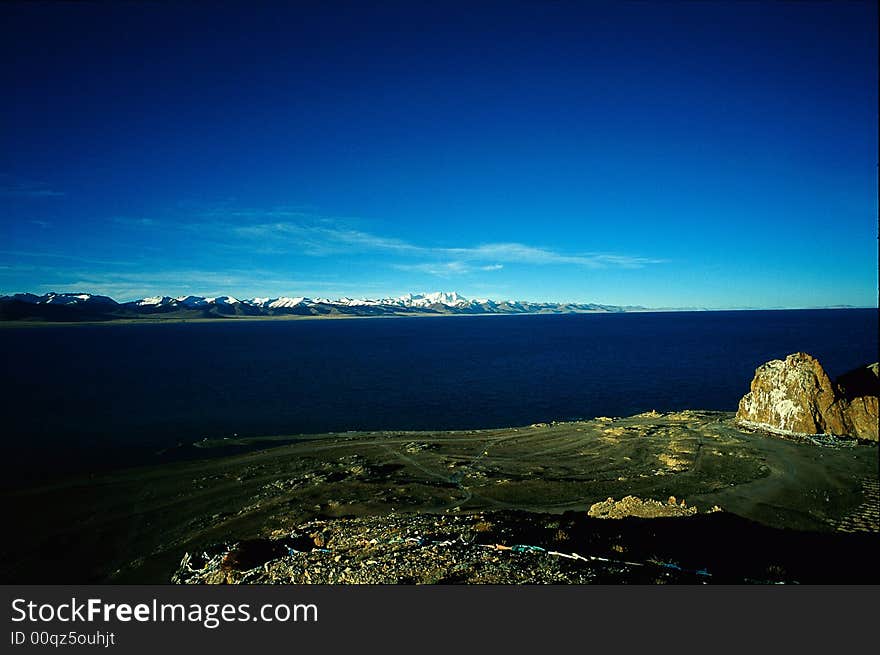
(431, 549)
(414, 447)
(319, 539)
(531, 548)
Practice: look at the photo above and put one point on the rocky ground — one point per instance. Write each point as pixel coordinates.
(136, 525)
(506, 547)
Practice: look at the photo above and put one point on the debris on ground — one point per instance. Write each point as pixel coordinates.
(423, 549)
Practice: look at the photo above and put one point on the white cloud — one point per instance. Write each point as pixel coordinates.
(241, 283)
(319, 237)
(520, 253)
(446, 269)
(284, 231)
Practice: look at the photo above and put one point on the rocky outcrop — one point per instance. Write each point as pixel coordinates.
(796, 396)
(859, 389)
(632, 506)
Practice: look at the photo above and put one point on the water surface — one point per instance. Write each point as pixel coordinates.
(83, 395)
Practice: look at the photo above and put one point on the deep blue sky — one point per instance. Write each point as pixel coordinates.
(669, 154)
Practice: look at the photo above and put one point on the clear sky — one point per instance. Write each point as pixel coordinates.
(662, 154)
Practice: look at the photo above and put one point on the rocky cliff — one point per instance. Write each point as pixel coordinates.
(796, 396)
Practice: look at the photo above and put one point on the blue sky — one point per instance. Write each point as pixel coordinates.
(662, 154)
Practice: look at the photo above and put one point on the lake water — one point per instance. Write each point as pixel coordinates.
(90, 396)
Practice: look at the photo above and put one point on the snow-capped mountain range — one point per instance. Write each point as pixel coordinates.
(85, 306)
(452, 299)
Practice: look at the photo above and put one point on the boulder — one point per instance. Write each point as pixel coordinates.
(860, 388)
(796, 396)
(862, 413)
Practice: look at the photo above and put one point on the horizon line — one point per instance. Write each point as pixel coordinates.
(666, 308)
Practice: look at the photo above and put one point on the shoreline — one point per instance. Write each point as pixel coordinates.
(134, 525)
(297, 317)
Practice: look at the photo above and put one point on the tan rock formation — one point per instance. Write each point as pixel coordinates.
(631, 506)
(859, 389)
(796, 396)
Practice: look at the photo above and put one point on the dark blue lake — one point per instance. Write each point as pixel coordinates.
(89, 396)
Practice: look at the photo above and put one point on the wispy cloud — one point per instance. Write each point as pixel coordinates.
(297, 232)
(136, 222)
(64, 256)
(11, 187)
(7, 192)
(521, 253)
(289, 231)
(215, 237)
(446, 269)
(314, 237)
(139, 284)
(323, 240)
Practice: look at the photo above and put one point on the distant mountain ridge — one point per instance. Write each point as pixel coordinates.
(89, 307)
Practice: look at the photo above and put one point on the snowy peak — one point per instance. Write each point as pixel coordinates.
(222, 300)
(423, 300)
(448, 299)
(64, 306)
(155, 301)
(53, 298)
(284, 302)
(451, 299)
(191, 301)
